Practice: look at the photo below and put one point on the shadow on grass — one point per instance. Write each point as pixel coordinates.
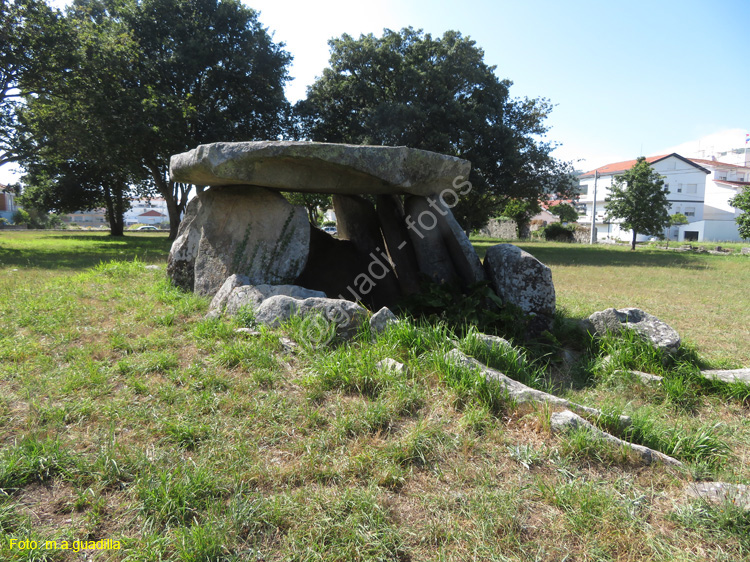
(600, 255)
(79, 251)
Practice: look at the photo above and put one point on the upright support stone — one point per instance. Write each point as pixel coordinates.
(400, 248)
(433, 256)
(250, 231)
(357, 221)
(181, 261)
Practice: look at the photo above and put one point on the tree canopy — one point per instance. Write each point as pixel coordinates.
(639, 198)
(741, 201)
(408, 88)
(149, 79)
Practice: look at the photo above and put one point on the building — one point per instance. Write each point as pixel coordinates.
(700, 189)
(7, 203)
(93, 218)
(147, 211)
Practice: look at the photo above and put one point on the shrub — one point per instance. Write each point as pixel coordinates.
(558, 232)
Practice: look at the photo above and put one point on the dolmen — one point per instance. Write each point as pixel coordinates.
(394, 221)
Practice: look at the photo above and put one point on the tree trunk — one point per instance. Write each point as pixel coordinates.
(174, 194)
(632, 244)
(115, 211)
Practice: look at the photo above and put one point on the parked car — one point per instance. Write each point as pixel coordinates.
(330, 230)
(147, 228)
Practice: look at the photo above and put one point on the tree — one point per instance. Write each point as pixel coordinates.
(34, 46)
(741, 201)
(153, 78)
(77, 140)
(566, 212)
(408, 88)
(521, 211)
(639, 199)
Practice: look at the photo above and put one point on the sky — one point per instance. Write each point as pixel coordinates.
(626, 78)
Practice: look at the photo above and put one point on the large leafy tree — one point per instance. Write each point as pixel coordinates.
(210, 72)
(153, 78)
(741, 201)
(408, 88)
(639, 199)
(34, 46)
(77, 145)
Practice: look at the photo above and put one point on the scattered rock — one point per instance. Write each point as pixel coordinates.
(567, 420)
(720, 493)
(389, 364)
(289, 345)
(347, 316)
(519, 278)
(381, 320)
(728, 376)
(153, 267)
(645, 377)
(253, 295)
(745, 251)
(315, 167)
(493, 342)
(660, 334)
(219, 302)
(247, 332)
(519, 391)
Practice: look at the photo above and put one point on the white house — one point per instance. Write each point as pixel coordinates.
(699, 189)
(147, 211)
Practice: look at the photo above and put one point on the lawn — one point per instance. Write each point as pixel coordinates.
(127, 416)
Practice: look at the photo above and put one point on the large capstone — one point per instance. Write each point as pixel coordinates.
(314, 167)
(244, 230)
(519, 278)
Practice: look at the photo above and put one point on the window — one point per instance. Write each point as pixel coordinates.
(679, 188)
(583, 189)
(721, 175)
(740, 177)
(689, 211)
(691, 188)
(691, 236)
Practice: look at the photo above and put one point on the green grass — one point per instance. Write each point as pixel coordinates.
(125, 414)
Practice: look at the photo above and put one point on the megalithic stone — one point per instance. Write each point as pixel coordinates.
(400, 248)
(357, 221)
(181, 261)
(433, 256)
(249, 231)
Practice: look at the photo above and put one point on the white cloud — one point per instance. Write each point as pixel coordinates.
(705, 146)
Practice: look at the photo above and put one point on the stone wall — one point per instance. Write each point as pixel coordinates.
(503, 228)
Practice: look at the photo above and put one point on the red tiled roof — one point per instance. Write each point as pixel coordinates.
(617, 167)
(622, 166)
(734, 183)
(715, 163)
(152, 213)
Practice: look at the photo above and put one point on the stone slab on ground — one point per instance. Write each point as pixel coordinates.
(720, 492)
(519, 391)
(567, 420)
(315, 167)
(728, 375)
